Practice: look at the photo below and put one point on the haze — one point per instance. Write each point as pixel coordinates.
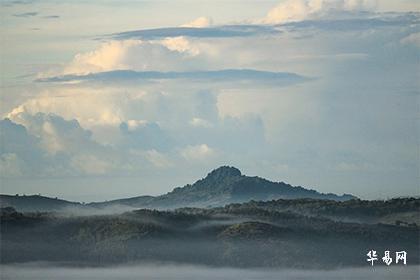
(45, 272)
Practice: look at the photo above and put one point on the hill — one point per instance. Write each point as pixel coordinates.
(221, 186)
(33, 203)
(241, 235)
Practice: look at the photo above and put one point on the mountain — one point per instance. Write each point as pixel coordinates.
(254, 234)
(226, 185)
(221, 186)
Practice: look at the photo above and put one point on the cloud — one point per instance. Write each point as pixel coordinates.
(166, 55)
(109, 56)
(180, 44)
(15, 138)
(90, 164)
(167, 50)
(171, 50)
(155, 131)
(355, 24)
(48, 145)
(158, 159)
(178, 100)
(60, 147)
(298, 10)
(197, 153)
(145, 135)
(279, 78)
(14, 3)
(27, 14)
(52, 16)
(55, 133)
(20, 152)
(199, 22)
(198, 122)
(411, 39)
(223, 31)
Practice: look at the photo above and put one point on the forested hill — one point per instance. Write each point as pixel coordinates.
(220, 187)
(254, 234)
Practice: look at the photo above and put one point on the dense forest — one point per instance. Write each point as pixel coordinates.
(301, 233)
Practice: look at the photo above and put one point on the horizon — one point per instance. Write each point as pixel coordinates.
(318, 94)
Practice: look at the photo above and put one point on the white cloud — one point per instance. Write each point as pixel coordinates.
(297, 10)
(241, 121)
(109, 56)
(199, 22)
(146, 135)
(132, 125)
(197, 152)
(180, 44)
(198, 122)
(90, 106)
(20, 152)
(56, 134)
(48, 145)
(165, 55)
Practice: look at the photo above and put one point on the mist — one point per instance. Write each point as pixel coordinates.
(46, 271)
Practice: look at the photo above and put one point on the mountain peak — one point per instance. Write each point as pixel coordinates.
(223, 172)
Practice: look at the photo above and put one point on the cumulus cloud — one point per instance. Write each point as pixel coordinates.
(152, 130)
(48, 145)
(166, 55)
(57, 147)
(111, 55)
(20, 152)
(145, 135)
(66, 102)
(54, 133)
(199, 22)
(298, 10)
(180, 44)
(198, 122)
(197, 153)
(186, 98)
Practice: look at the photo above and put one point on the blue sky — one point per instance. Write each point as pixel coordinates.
(108, 99)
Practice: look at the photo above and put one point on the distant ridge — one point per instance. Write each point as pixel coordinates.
(31, 203)
(223, 185)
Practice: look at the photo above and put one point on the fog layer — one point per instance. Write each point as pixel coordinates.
(44, 271)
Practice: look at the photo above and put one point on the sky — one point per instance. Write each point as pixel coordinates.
(110, 99)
